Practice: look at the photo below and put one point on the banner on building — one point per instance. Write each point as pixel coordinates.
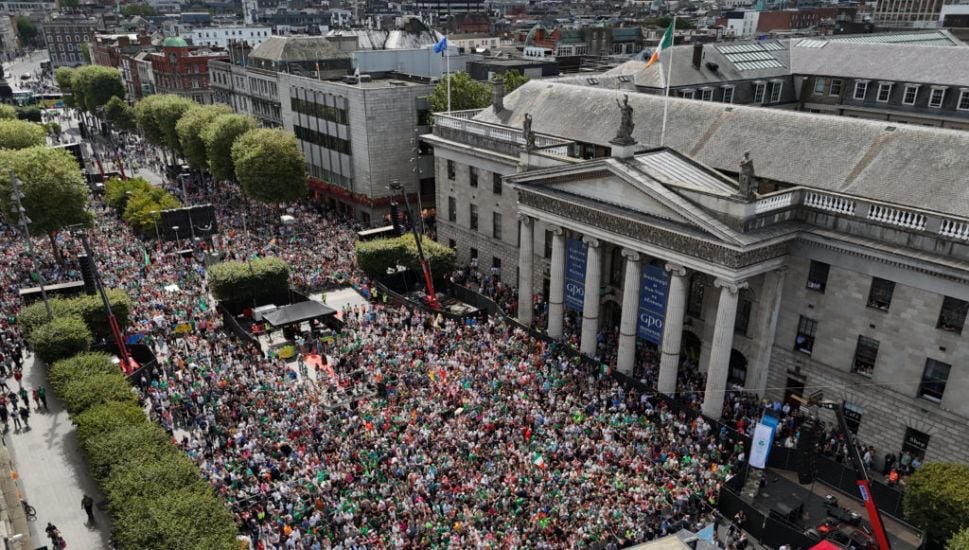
(575, 259)
(652, 303)
(762, 441)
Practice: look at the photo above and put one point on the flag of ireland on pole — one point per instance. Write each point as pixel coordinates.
(664, 43)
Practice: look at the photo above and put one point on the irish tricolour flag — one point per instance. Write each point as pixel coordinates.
(664, 43)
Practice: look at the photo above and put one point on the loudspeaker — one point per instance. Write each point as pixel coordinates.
(790, 511)
(395, 217)
(87, 273)
(806, 453)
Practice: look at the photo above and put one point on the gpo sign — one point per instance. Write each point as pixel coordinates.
(649, 321)
(574, 289)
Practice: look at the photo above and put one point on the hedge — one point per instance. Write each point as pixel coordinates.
(61, 338)
(117, 191)
(377, 256)
(155, 493)
(253, 280)
(88, 308)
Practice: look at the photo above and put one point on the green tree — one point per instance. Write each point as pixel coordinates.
(168, 114)
(94, 85)
(55, 195)
(128, 446)
(960, 541)
(664, 22)
(20, 134)
(117, 191)
(182, 518)
(61, 338)
(85, 50)
(120, 114)
(64, 77)
(89, 308)
(143, 209)
(153, 480)
(144, 10)
(63, 372)
(937, 499)
(7, 112)
(145, 116)
(108, 417)
(466, 93)
(26, 30)
(72, 4)
(270, 166)
(514, 79)
(262, 277)
(189, 129)
(219, 136)
(88, 391)
(30, 113)
(377, 256)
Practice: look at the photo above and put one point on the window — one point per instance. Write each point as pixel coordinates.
(450, 169)
(936, 97)
(963, 104)
(496, 225)
(474, 217)
(687, 94)
(473, 253)
(452, 210)
(706, 94)
(728, 94)
(819, 85)
(496, 183)
(861, 88)
(452, 244)
(915, 443)
(775, 91)
(818, 276)
(866, 351)
(934, 378)
(880, 295)
(836, 85)
(473, 176)
(806, 329)
(496, 265)
(953, 315)
(911, 94)
(759, 91)
(884, 91)
(694, 305)
(745, 304)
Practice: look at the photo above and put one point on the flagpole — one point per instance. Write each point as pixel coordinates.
(669, 73)
(447, 69)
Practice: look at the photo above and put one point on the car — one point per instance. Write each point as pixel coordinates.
(25, 77)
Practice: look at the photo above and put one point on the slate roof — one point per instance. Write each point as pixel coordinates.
(906, 165)
(296, 48)
(890, 62)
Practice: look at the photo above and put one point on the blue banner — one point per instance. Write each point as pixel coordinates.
(575, 255)
(652, 303)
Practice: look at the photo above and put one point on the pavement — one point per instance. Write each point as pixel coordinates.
(53, 475)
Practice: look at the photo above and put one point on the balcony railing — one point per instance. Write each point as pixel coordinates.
(462, 122)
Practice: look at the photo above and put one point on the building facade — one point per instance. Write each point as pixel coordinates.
(220, 37)
(794, 277)
(65, 35)
(183, 70)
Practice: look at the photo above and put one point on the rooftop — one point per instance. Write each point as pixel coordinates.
(867, 159)
(296, 48)
(891, 62)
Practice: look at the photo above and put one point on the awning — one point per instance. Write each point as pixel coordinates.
(297, 313)
(825, 545)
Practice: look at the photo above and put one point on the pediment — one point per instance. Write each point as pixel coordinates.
(613, 190)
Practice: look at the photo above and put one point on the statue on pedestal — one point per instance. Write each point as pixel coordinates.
(528, 133)
(624, 136)
(748, 184)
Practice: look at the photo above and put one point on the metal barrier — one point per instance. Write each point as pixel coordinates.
(229, 321)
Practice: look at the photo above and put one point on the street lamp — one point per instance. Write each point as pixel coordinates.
(154, 219)
(16, 196)
(13, 538)
(177, 240)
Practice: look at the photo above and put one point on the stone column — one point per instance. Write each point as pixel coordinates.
(556, 286)
(765, 328)
(590, 302)
(721, 347)
(630, 311)
(525, 276)
(669, 362)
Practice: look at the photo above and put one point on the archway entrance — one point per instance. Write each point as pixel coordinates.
(690, 348)
(611, 315)
(737, 374)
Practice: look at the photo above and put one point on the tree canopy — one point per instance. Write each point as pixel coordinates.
(219, 136)
(20, 134)
(27, 30)
(119, 113)
(94, 85)
(157, 116)
(7, 112)
(270, 166)
(466, 93)
(189, 129)
(143, 209)
(937, 499)
(55, 194)
(143, 10)
(514, 79)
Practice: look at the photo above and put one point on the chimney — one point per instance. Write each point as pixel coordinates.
(498, 93)
(697, 55)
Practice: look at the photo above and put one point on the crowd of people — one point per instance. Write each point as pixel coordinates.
(457, 434)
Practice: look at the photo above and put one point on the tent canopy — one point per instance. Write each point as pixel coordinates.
(298, 312)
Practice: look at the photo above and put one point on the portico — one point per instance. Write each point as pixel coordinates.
(668, 218)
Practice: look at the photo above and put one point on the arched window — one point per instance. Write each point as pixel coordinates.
(694, 304)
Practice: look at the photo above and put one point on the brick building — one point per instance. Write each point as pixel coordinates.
(184, 70)
(65, 35)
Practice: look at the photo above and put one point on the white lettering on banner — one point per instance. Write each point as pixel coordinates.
(650, 321)
(575, 290)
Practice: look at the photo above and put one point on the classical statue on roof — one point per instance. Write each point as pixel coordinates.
(527, 132)
(624, 136)
(748, 183)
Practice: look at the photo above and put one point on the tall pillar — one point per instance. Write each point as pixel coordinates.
(765, 328)
(630, 311)
(669, 362)
(721, 347)
(525, 276)
(556, 286)
(590, 301)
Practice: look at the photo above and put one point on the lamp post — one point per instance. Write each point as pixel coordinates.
(178, 241)
(16, 196)
(154, 219)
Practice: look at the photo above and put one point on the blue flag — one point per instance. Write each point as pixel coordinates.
(441, 45)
